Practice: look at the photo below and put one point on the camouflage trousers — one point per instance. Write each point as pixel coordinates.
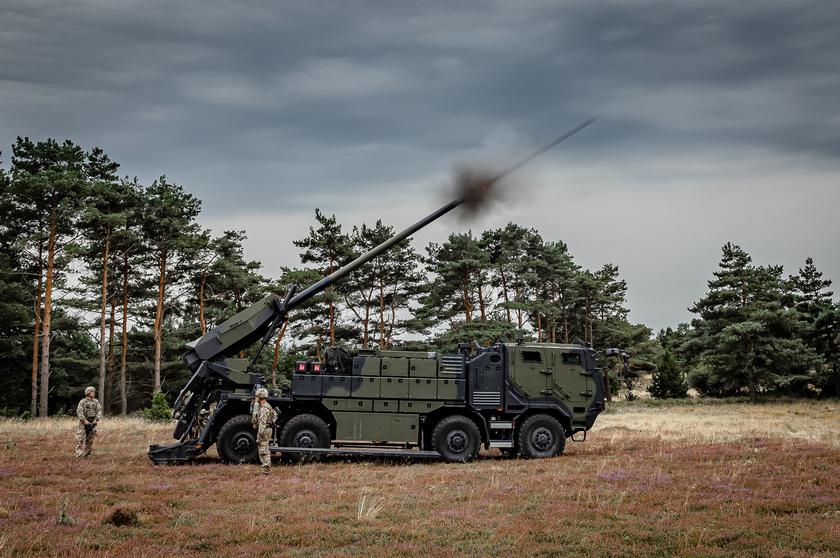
(84, 441)
(263, 438)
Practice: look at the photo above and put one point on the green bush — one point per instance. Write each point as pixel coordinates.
(668, 380)
(159, 411)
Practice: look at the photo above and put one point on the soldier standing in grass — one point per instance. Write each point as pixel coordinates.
(262, 420)
(89, 412)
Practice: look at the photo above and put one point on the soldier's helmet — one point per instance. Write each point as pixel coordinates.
(262, 393)
(90, 389)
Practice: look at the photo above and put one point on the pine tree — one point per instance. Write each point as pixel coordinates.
(223, 280)
(48, 182)
(100, 217)
(820, 325)
(130, 255)
(746, 336)
(668, 381)
(15, 304)
(505, 248)
(375, 292)
(328, 248)
(171, 236)
(825, 337)
(459, 281)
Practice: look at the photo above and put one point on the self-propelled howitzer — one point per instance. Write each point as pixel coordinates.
(524, 398)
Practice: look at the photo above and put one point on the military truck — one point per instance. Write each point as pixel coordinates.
(523, 398)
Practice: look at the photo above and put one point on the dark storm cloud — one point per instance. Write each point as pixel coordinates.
(263, 105)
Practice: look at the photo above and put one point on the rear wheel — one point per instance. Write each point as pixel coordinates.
(541, 436)
(237, 441)
(456, 438)
(304, 431)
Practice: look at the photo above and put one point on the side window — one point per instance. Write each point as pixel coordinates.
(531, 356)
(572, 358)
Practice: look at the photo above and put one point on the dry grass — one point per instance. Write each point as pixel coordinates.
(694, 423)
(723, 480)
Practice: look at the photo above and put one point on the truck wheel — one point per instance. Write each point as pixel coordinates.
(456, 438)
(237, 442)
(541, 436)
(304, 431)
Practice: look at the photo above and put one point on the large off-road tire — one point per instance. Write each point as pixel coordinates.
(456, 438)
(237, 441)
(541, 436)
(304, 431)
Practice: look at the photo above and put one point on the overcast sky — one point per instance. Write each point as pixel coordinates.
(720, 120)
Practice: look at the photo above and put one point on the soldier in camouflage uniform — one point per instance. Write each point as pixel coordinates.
(263, 419)
(89, 412)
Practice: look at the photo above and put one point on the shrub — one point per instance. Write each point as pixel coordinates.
(122, 517)
(668, 380)
(159, 411)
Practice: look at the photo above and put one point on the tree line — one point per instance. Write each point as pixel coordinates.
(755, 332)
(103, 280)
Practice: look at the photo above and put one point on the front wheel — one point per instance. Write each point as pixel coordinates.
(237, 442)
(456, 438)
(541, 436)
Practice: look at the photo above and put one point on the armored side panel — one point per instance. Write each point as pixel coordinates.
(423, 367)
(360, 405)
(306, 385)
(419, 406)
(366, 366)
(365, 386)
(395, 367)
(385, 405)
(422, 388)
(451, 389)
(336, 386)
(408, 354)
(377, 427)
(394, 388)
(336, 404)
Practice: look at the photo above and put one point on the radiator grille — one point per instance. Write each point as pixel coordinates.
(487, 398)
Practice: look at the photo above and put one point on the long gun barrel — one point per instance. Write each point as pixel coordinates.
(399, 237)
(261, 319)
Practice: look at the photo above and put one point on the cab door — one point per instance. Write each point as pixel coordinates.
(531, 372)
(570, 382)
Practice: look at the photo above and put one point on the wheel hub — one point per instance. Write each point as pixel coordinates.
(542, 439)
(456, 441)
(305, 439)
(242, 444)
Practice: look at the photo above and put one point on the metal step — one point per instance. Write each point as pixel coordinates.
(501, 444)
(501, 425)
(359, 452)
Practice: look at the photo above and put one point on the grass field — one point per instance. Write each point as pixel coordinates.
(685, 480)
